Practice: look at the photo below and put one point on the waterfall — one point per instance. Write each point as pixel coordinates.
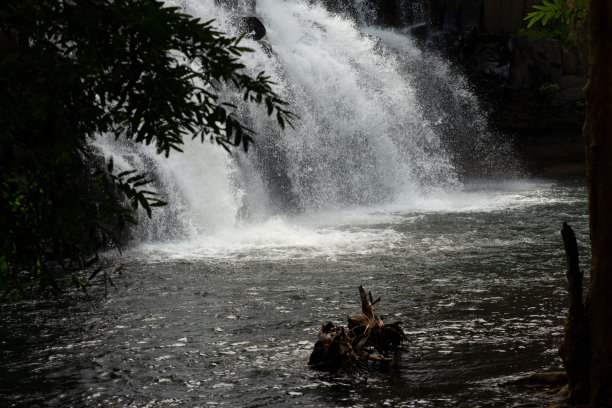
(365, 136)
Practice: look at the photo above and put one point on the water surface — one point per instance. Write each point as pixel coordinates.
(230, 320)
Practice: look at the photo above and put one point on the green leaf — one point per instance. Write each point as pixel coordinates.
(533, 17)
(558, 10)
(148, 74)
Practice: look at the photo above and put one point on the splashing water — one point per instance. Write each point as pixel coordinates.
(229, 282)
(367, 135)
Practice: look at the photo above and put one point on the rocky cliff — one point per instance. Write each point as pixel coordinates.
(529, 80)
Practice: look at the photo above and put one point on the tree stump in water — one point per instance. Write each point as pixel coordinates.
(345, 350)
(574, 348)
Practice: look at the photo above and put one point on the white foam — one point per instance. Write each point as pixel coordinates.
(360, 159)
(357, 231)
(275, 239)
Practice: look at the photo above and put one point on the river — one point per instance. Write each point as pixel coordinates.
(223, 290)
(477, 279)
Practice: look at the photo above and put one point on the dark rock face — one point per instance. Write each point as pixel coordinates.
(414, 12)
(252, 27)
(419, 32)
(386, 13)
(482, 38)
(339, 6)
(456, 16)
(490, 16)
(535, 60)
(389, 13)
(249, 25)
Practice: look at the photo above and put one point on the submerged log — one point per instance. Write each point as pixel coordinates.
(345, 350)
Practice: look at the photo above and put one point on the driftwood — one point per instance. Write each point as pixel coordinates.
(574, 348)
(345, 350)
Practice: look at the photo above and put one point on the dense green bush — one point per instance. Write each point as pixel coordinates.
(72, 70)
(557, 10)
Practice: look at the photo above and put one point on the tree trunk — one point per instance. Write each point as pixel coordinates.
(574, 349)
(598, 146)
(341, 350)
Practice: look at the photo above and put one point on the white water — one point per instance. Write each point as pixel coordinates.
(366, 143)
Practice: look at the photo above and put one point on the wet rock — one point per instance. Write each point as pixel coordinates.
(252, 27)
(503, 16)
(339, 6)
(570, 62)
(572, 81)
(535, 60)
(570, 96)
(455, 15)
(450, 21)
(490, 55)
(389, 13)
(414, 12)
(470, 15)
(248, 25)
(419, 32)
(530, 86)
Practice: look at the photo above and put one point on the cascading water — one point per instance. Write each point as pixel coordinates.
(227, 285)
(366, 135)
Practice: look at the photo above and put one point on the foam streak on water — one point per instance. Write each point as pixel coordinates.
(356, 230)
(231, 322)
(224, 289)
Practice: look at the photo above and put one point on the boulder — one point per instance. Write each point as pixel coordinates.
(470, 15)
(456, 15)
(389, 13)
(535, 60)
(572, 81)
(570, 96)
(339, 6)
(450, 21)
(419, 32)
(570, 62)
(574, 60)
(504, 16)
(251, 27)
(248, 25)
(414, 12)
(490, 16)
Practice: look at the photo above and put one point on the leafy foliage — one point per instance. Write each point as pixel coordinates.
(554, 10)
(550, 31)
(72, 70)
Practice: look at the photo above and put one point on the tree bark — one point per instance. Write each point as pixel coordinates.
(598, 147)
(574, 349)
(341, 350)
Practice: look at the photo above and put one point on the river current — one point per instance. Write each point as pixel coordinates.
(222, 292)
(476, 277)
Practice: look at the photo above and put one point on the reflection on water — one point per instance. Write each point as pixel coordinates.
(231, 321)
